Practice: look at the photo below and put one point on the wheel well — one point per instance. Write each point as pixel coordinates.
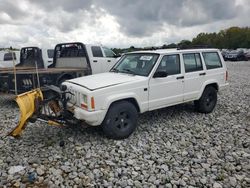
(131, 100)
(214, 85)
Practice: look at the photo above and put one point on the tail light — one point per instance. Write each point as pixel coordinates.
(226, 75)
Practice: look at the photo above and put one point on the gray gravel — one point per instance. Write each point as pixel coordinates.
(172, 147)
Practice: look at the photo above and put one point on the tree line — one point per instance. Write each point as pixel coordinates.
(231, 38)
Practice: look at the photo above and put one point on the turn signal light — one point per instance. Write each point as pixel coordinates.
(84, 106)
(92, 103)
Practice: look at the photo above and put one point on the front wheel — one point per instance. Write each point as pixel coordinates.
(120, 121)
(208, 100)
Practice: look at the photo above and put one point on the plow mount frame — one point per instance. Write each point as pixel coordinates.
(47, 105)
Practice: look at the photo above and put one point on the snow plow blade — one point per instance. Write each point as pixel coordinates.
(28, 104)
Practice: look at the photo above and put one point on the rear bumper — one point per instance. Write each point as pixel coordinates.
(93, 118)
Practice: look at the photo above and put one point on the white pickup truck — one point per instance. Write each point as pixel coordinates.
(39, 67)
(6, 58)
(144, 81)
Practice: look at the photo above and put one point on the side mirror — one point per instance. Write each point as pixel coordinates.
(160, 74)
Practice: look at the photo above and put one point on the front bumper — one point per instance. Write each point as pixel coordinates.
(93, 118)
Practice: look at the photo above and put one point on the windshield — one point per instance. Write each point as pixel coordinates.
(136, 64)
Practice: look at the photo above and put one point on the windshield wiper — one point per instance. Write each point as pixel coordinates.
(129, 71)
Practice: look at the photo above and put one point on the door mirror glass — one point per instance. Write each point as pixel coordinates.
(160, 74)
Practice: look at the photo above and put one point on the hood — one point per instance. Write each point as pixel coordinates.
(99, 81)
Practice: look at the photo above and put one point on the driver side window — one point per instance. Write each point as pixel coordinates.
(170, 64)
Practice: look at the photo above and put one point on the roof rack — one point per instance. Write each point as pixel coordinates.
(186, 47)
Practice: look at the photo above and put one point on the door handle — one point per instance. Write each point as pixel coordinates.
(109, 60)
(202, 74)
(180, 77)
(95, 61)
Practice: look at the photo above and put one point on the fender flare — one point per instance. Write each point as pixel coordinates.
(205, 84)
(118, 97)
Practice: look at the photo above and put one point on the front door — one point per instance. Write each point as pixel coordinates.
(110, 59)
(167, 91)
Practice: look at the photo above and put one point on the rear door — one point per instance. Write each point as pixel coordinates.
(97, 60)
(194, 75)
(168, 90)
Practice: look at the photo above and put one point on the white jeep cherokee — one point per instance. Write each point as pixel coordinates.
(144, 81)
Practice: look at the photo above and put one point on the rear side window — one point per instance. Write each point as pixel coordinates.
(9, 57)
(96, 51)
(212, 60)
(192, 62)
(170, 64)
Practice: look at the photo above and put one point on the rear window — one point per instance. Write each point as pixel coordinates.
(212, 60)
(9, 57)
(29, 53)
(69, 50)
(50, 53)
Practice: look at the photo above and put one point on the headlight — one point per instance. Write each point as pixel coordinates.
(84, 104)
(85, 98)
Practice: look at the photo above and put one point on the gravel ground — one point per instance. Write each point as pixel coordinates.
(172, 147)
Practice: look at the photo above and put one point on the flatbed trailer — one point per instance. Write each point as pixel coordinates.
(70, 60)
(31, 73)
(28, 79)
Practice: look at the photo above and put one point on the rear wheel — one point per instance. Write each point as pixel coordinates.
(120, 121)
(208, 100)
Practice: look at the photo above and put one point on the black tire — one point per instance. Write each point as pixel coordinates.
(120, 121)
(208, 100)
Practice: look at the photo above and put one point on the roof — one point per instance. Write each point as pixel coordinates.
(174, 50)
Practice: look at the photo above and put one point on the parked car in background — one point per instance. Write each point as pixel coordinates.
(224, 53)
(7, 57)
(47, 55)
(235, 55)
(33, 56)
(38, 67)
(247, 54)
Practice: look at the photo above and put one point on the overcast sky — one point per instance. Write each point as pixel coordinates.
(115, 23)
